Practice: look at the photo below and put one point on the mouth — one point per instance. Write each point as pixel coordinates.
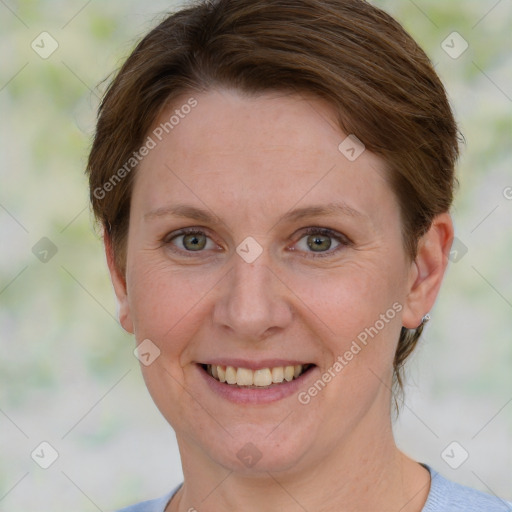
(260, 378)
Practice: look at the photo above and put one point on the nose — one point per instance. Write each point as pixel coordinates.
(252, 302)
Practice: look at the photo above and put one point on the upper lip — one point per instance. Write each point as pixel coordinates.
(254, 364)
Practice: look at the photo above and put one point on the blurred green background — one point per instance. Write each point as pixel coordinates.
(67, 371)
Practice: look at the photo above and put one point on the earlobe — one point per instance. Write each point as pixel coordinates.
(427, 270)
(119, 284)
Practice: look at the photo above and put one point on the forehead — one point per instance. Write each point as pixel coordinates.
(257, 153)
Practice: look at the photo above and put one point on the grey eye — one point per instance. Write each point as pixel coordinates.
(194, 241)
(319, 243)
(190, 241)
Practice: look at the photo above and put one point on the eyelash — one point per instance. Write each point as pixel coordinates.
(341, 239)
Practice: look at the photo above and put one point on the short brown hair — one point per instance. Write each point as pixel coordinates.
(379, 82)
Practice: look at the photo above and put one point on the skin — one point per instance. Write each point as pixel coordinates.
(249, 160)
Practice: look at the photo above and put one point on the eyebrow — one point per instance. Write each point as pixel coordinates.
(203, 215)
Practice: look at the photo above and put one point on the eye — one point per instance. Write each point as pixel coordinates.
(189, 240)
(320, 240)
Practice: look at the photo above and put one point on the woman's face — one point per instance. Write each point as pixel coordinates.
(296, 258)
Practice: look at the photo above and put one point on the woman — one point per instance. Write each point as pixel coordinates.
(274, 181)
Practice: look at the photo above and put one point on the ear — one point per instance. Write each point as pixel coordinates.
(427, 270)
(119, 283)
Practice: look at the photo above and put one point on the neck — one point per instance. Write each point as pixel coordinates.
(363, 471)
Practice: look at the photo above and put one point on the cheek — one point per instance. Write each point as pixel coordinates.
(168, 308)
(163, 302)
(170, 305)
(350, 298)
(356, 313)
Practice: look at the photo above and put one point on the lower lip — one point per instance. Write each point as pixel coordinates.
(241, 395)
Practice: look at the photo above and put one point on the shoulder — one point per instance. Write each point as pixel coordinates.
(156, 505)
(448, 496)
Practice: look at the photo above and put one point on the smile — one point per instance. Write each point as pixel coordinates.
(259, 378)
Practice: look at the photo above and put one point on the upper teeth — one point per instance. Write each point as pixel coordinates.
(261, 377)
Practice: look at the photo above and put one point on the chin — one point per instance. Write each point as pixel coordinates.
(257, 451)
